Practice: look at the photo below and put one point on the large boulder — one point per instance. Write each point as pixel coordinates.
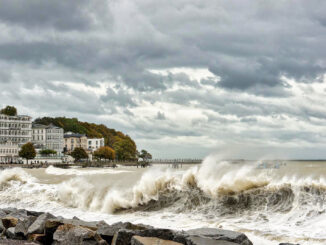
(10, 233)
(195, 240)
(39, 238)
(288, 243)
(38, 225)
(12, 217)
(123, 236)
(107, 231)
(55, 222)
(217, 234)
(70, 234)
(9, 221)
(138, 240)
(22, 226)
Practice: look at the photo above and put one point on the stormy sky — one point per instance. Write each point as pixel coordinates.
(183, 78)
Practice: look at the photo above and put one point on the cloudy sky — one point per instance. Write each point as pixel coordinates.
(183, 78)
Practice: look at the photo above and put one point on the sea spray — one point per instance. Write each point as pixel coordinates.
(270, 203)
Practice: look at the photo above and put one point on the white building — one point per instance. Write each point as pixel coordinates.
(48, 137)
(14, 132)
(94, 144)
(8, 152)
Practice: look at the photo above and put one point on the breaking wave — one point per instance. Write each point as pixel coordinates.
(218, 189)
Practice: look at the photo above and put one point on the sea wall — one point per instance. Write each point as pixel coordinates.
(18, 226)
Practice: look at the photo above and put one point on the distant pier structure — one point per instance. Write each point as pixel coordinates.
(175, 163)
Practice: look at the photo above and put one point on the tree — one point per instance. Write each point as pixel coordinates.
(105, 152)
(47, 152)
(125, 149)
(27, 151)
(9, 111)
(79, 153)
(92, 130)
(145, 155)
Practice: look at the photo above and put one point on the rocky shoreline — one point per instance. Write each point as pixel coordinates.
(19, 226)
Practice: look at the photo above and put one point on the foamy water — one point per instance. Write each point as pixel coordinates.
(269, 205)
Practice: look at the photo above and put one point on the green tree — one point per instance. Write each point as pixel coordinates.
(92, 130)
(125, 149)
(105, 152)
(79, 153)
(145, 155)
(47, 152)
(27, 151)
(9, 111)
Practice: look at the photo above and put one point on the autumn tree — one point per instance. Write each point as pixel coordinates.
(105, 152)
(79, 153)
(27, 151)
(9, 111)
(125, 149)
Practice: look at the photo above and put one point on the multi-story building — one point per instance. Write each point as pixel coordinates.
(14, 132)
(8, 152)
(73, 140)
(48, 137)
(94, 144)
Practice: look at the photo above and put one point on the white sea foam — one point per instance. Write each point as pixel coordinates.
(272, 204)
(80, 171)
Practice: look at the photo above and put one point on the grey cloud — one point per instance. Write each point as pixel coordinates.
(249, 45)
(63, 15)
(119, 97)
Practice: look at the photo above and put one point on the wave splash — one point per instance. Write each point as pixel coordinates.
(222, 188)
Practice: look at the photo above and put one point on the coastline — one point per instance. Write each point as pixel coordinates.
(20, 226)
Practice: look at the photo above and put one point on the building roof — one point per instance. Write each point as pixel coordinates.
(73, 135)
(17, 116)
(50, 126)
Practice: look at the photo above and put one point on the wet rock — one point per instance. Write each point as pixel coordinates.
(16, 242)
(9, 221)
(10, 233)
(70, 234)
(195, 240)
(1, 227)
(18, 213)
(123, 236)
(40, 238)
(34, 213)
(2, 213)
(107, 231)
(38, 225)
(138, 240)
(219, 234)
(13, 216)
(55, 222)
(288, 244)
(22, 226)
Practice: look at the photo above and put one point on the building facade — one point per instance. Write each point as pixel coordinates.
(8, 152)
(48, 137)
(14, 132)
(94, 144)
(73, 140)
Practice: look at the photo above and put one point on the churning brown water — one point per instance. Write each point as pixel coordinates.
(270, 205)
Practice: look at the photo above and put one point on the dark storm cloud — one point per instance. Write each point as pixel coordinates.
(245, 46)
(116, 59)
(63, 15)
